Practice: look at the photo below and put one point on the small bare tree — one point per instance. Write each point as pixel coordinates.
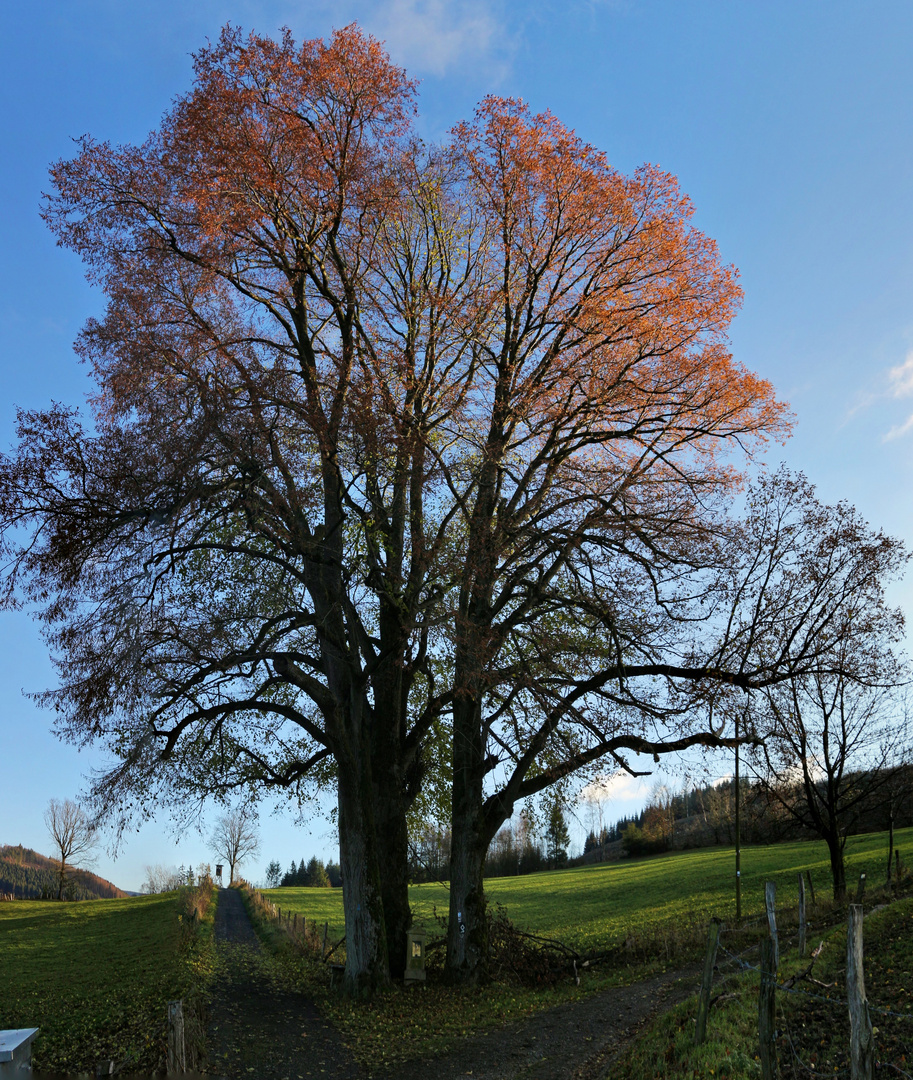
(73, 835)
(235, 838)
(834, 752)
(161, 879)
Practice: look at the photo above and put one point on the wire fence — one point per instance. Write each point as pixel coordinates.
(745, 960)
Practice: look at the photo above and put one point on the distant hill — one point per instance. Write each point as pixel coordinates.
(27, 875)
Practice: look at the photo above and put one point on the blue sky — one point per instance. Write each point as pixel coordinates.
(788, 123)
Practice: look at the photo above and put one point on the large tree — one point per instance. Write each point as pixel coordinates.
(393, 449)
(656, 630)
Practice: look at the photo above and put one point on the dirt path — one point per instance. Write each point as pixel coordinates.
(257, 1029)
(577, 1041)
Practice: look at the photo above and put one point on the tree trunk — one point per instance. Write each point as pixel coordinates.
(467, 930)
(890, 841)
(838, 870)
(393, 860)
(367, 967)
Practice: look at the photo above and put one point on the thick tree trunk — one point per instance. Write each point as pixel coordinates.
(391, 801)
(467, 931)
(393, 860)
(367, 967)
(838, 870)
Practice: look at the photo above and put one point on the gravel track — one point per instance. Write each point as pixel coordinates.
(258, 1029)
(577, 1041)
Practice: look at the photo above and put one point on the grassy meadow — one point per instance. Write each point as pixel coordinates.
(95, 977)
(657, 907)
(599, 906)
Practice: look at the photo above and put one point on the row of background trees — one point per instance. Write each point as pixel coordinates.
(314, 874)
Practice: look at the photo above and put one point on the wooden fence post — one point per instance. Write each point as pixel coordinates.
(860, 888)
(770, 898)
(177, 1062)
(326, 930)
(801, 916)
(295, 924)
(767, 1011)
(862, 1049)
(811, 886)
(703, 1004)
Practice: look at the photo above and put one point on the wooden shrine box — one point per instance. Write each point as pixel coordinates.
(415, 956)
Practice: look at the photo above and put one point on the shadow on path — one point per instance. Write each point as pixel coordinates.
(257, 1028)
(577, 1041)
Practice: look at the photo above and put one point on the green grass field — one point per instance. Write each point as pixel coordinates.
(598, 906)
(94, 976)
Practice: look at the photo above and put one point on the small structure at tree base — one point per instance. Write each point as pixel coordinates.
(16, 1051)
(415, 956)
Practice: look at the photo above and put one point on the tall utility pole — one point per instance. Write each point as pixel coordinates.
(738, 849)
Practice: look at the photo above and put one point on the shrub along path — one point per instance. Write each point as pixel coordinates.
(256, 1027)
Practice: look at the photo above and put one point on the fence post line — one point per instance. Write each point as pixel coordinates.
(767, 1011)
(770, 899)
(326, 930)
(860, 888)
(811, 886)
(862, 1048)
(703, 1004)
(177, 1062)
(801, 916)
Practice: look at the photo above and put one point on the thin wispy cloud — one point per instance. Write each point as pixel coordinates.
(895, 384)
(899, 430)
(619, 785)
(437, 36)
(428, 37)
(900, 380)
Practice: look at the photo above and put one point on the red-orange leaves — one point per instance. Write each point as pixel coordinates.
(614, 309)
(242, 221)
